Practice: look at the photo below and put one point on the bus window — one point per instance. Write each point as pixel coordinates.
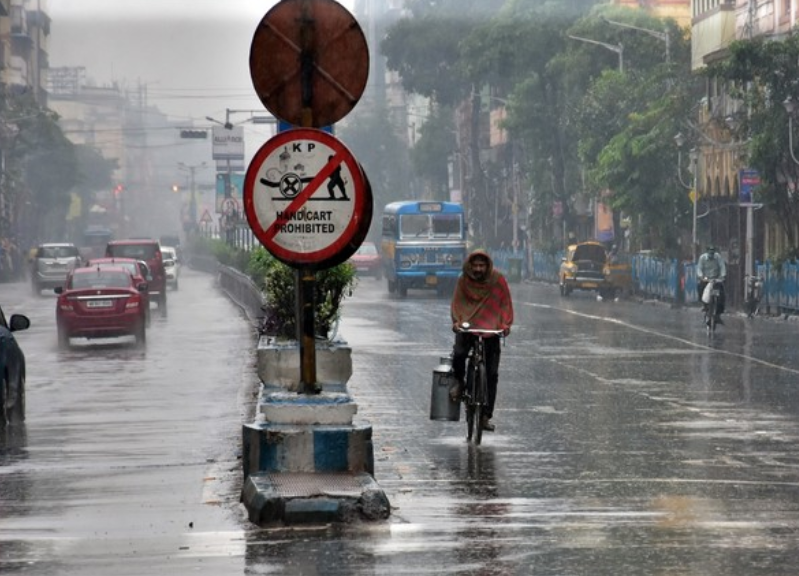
(389, 226)
(414, 225)
(447, 225)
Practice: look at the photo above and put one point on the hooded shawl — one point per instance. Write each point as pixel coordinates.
(483, 304)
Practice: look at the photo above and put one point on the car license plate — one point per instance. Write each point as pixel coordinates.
(432, 280)
(589, 285)
(99, 304)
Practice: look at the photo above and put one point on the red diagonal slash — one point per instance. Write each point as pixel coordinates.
(301, 198)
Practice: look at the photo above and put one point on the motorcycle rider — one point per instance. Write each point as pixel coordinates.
(481, 298)
(711, 266)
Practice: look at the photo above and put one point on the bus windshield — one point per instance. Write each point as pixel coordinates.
(430, 225)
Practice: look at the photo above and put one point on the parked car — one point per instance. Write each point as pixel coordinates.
(51, 264)
(100, 302)
(148, 250)
(138, 269)
(171, 266)
(584, 268)
(366, 261)
(12, 369)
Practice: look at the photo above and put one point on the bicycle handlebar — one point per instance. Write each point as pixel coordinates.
(480, 331)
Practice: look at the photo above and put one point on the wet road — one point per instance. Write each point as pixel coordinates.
(128, 459)
(626, 443)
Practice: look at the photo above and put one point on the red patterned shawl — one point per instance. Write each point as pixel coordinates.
(485, 304)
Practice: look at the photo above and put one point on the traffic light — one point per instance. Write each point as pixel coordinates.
(118, 189)
(175, 188)
(195, 134)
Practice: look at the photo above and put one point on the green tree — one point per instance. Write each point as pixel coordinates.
(425, 53)
(41, 166)
(436, 144)
(762, 73)
(373, 141)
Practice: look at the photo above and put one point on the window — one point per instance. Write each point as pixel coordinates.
(101, 279)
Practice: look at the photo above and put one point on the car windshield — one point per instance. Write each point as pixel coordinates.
(137, 251)
(101, 279)
(590, 252)
(367, 249)
(58, 252)
(129, 266)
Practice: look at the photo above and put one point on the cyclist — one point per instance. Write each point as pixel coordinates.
(711, 266)
(481, 298)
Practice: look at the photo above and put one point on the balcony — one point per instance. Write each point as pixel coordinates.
(711, 33)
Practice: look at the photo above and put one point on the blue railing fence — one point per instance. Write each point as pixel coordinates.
(675, 281)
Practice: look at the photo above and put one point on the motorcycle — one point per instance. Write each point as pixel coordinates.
(754, 293)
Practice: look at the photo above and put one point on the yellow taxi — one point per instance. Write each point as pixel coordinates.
(584, 268)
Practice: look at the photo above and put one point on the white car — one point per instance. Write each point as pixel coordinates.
(169, 256)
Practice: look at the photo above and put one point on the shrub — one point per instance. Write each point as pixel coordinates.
(278, 282)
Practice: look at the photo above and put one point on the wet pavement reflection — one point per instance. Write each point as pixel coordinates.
(627, 442)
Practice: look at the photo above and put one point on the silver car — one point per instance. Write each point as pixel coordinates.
(51, 265)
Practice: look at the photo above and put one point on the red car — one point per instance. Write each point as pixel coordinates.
(148, 250)
(100, 303)
(137, 268)
(367, 261)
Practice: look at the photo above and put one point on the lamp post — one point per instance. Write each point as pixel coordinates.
(192, 190)
(617, 48)
(679, 139)
(664, 36)
(790, 108)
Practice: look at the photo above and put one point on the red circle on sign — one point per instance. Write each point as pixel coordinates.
(271, 210)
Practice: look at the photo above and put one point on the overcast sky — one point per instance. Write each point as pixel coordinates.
(192, 56)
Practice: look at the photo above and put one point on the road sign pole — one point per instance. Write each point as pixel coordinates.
(306, 279)
(315, 37)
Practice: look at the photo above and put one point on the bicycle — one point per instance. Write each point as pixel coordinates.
(712, 292)
(475, 395)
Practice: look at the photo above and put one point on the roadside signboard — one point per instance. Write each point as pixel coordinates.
(235, 190)
(749, 180)
(228, 143)
(307, 198)
(309, 62)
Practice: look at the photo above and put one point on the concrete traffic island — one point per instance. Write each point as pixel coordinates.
(305, 461)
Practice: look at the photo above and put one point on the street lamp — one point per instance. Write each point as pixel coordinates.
(790, 108)
(664, 36)
(617, 48)
(679, 139)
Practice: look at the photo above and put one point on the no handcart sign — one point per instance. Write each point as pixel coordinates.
(307, 199)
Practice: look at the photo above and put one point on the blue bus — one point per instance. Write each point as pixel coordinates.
(423, 245)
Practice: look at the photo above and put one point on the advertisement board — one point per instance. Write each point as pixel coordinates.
(228, 143)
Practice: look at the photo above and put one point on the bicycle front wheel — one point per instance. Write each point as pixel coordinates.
(712, 311)
(470, 401)
(481, 399)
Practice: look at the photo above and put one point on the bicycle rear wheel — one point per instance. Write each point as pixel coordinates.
(481, 387)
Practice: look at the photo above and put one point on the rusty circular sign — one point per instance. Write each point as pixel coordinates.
(307, 198)
(309, 62)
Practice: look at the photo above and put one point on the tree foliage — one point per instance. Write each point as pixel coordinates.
(372, 138)
(425, 52)
(41, 167)
(762, 74)
(578, 126)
